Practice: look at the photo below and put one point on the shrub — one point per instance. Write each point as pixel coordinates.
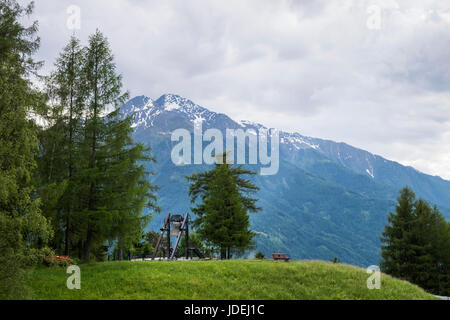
(335, 260)
(61, 261)
(259, 255)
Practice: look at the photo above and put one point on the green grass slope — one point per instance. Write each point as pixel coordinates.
(236, 279)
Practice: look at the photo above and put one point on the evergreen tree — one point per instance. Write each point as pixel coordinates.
(127, 184)
(222, 216)
(93, 181)
(59, 153)
(50, 175)
(443, 258)
(432, 245)
(103, 90)
(396, 251)
(423, 268)
(23, 230)
(71, 92)
(259, 255)
(417, 244)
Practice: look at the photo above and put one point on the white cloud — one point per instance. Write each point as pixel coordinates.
(313, 67)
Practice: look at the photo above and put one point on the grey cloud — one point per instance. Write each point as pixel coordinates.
(307, 66)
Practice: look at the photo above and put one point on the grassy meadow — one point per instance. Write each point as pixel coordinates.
(235, 279)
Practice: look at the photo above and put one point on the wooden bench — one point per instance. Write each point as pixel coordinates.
(280, 256)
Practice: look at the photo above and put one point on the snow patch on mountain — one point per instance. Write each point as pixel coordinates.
(146, 111)
(370, 173)
(172, 106)
(297, 141)
(170, 111)
(251, 124)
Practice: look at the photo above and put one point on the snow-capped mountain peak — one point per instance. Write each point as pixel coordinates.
(170, 111)
(137, 104)
(146, 113)
(146, 110)
(171, 102)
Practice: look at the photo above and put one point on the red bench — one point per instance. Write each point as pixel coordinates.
(280, 256)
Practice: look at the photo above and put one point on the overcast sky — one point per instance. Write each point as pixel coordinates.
(374, 74)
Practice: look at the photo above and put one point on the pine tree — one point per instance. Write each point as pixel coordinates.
(23, 230)
(432, 245)
(396, 252)
(92, 175)
(50, 174)
(423, 268)
(103, 90)
(59, 142)
(113, 185)
(417, 244)
(443, 258)
(222, 216)
(127, 184)
(71, 91)
(259, 255)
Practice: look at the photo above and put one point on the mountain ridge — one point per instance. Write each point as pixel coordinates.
(339, 152)
(328, 199)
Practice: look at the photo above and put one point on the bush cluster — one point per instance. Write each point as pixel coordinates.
(61, 261)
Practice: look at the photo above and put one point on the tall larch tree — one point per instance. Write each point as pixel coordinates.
(103, 90)
(59, 142)
(222, 213)
(128, 186)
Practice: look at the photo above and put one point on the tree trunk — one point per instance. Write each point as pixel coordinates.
(92, 165)
(87, 246)
(223, 253)
(70, 168)
(52, 159)
(120, 248)
(80, 249)
(66, 248)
